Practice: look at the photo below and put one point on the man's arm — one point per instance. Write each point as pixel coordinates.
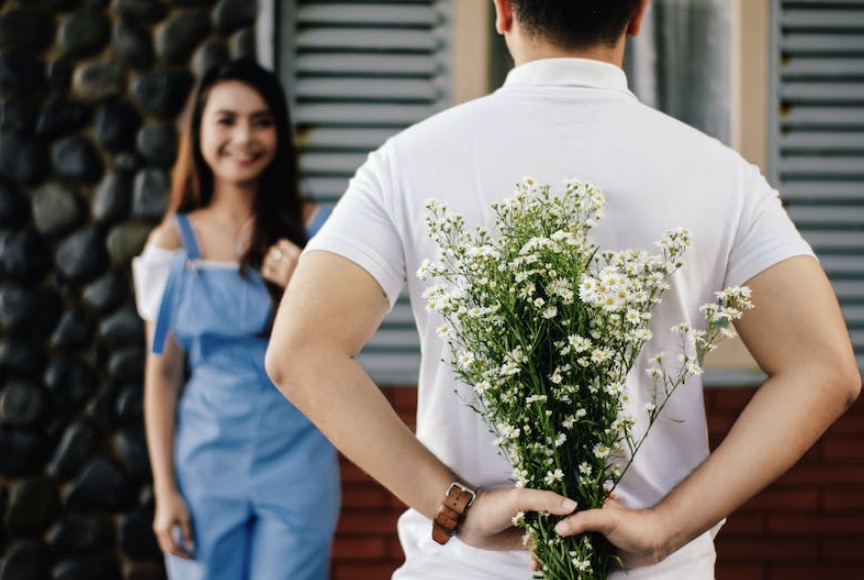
(797, 335)
(329, 311)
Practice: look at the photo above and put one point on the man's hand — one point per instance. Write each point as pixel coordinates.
(489, 521)
(638, 534)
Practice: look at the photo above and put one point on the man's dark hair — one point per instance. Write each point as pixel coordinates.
(575, 24)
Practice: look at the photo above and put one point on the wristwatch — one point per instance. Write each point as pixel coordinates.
(457, 500)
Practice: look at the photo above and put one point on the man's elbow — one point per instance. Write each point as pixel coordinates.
(853, 384)
(846, 379)
(282, 369)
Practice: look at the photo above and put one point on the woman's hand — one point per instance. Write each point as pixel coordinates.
(171, 511)
(279, 262)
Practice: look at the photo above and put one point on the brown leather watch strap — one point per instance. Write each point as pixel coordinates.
(457, 501)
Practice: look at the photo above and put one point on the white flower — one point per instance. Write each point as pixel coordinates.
(545, 325)
(466, 359)
(581, 565)
(553, 476)
(601, 451)
(518, 519)
(507, 431)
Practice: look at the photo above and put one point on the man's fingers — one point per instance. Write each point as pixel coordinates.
(596, 520)
(535, 500)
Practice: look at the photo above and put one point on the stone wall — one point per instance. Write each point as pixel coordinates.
(89, 95)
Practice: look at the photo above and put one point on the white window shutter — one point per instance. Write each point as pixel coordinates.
(817, 138)
(356, 73)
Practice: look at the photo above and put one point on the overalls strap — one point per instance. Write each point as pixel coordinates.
(187, 234)
(318, 220)
(166, 308)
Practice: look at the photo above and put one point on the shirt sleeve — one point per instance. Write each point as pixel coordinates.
(362, 227)
(766, 234)
(150, 275)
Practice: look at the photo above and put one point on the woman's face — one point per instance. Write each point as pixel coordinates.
(238, 133)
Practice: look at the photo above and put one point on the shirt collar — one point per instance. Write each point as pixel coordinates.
(568, 72)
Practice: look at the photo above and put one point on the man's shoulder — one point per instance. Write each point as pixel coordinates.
(442, 124)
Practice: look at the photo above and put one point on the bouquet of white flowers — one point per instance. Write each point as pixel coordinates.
(545, 328)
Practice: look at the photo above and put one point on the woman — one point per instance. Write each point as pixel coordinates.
(245, 485)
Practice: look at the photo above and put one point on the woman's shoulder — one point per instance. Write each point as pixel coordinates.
(310, 208)
(166, 235)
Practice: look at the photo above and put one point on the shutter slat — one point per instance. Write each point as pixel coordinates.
(824, 67)
(814, 142)
(359, 73)
(352, 89)
(401, 313)
(823, 117)
(823, 215)
(393, 339)
(842, 265)
(331, 163)
(391, 369)
(841, 44)
(367, 14)
(822, 19)
(836, 241)
(834, 166)
(365, 40)
(849, 291)
(344, 139)
(854, 315)
(351, 65)
(329, 187)
(823, 92)
(362, 115)
(802, 189)
(818, 87)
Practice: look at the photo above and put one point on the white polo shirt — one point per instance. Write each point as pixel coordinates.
(557, 119)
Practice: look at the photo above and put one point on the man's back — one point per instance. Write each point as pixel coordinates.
(554, 120)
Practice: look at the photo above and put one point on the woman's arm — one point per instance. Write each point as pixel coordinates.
(162, 377)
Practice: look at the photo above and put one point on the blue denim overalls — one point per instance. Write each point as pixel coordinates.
(260, 480)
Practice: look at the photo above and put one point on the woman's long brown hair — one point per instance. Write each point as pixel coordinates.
(277, 206)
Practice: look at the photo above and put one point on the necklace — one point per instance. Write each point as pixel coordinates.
(242, 238)
(241, 234)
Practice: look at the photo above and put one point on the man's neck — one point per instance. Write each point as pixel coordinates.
(539, 50)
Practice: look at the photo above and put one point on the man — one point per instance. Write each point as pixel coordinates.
(564, 112)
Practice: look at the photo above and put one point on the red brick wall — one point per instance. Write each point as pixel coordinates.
(808, 525)
(366, 546)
